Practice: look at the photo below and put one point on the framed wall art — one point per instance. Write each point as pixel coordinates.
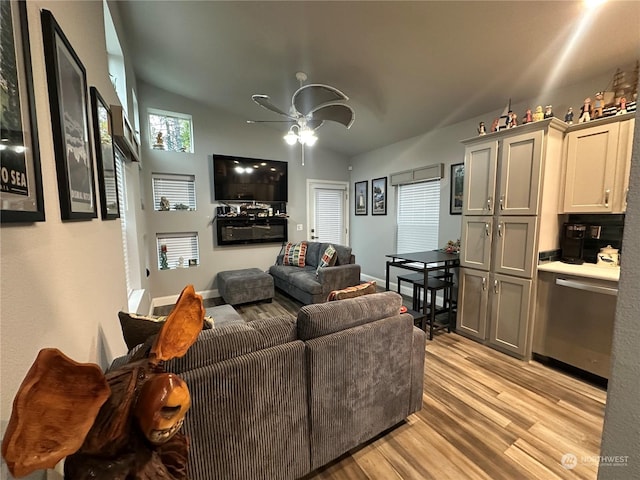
(21, 196)
(67, 81)
(379, 196)
(105, 156)
(457, 184)
(361, 195)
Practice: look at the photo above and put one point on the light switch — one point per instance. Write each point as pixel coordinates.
(299, 227)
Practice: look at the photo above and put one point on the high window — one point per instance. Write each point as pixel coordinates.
(174, 191)
(170, 131)
(418, 216)
(177, 250)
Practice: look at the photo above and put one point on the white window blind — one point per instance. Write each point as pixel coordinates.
(418, 216)
(329, 212)
(179, 249)
(178, 190)
(122, 204)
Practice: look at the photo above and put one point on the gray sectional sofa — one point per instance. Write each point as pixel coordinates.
(281, 397)
(309, 286)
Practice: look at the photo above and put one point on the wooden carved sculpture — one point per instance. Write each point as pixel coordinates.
(120, 426)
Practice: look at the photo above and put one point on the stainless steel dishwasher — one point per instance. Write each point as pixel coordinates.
(574, 321)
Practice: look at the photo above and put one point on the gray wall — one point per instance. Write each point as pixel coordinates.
(220, 132)
(621, 434)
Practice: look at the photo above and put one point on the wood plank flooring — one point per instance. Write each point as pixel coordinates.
(485, 415)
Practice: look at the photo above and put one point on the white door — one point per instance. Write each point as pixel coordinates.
(327, 215)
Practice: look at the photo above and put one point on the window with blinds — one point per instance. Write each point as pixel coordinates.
(418, 216)
(122, 204)
(174, 191)
(177, 250)
(329, 215)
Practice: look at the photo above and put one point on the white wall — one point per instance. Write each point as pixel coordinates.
(441, 145)
(220, 132)
(62, 283)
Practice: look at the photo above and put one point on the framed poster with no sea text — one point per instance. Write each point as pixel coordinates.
(21, 196)
(67, 80)
(457, 183)
(361, 194)
(105, 157)
(379, 196)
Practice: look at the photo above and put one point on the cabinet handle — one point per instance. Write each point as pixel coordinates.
(484, 283)
(487, 231)
(501, 202)
(626, 195)
(495, 286)
(499, 229)
(489, 200)
(606, 197)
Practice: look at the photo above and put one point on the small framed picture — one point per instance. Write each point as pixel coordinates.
(67, 81)
(361, 195)
(193, 262)
(457, 184)
(379, 196)
(105, 157)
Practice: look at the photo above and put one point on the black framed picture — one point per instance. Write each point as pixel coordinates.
(21, 196)
(379, 196)
(361, 195)
(105, 156)
(457, 184)
(67, 80)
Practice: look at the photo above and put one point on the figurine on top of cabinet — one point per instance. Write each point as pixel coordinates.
(598, 105)
(512, 120)
(548, 112)
(538, 114)
(585, 111)
(622, 106)
(494, 125)
(528, 117)
(481, 129)
(568, 118)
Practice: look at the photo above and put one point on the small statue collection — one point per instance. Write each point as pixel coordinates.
(619, 99)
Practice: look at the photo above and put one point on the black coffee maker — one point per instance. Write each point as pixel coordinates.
(572, 243)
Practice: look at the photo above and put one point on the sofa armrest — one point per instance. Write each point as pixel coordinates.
(338, 277)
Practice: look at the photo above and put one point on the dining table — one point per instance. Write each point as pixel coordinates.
(423, 262)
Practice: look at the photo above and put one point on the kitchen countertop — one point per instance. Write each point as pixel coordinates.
(589, 270)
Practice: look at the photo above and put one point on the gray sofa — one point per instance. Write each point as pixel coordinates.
(281, 397)
(309, 286)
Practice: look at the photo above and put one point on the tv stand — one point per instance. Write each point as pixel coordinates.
(251, 229)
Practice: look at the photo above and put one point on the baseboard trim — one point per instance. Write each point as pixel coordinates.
(172, 299)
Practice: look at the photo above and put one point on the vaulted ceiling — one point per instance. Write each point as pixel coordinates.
(408, 67)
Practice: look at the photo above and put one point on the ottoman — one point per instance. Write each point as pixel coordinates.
(243, 286)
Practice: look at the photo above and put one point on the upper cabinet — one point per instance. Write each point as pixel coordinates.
(597, 164)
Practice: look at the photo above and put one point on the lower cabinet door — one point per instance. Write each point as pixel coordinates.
(471, 319)
(510, 313)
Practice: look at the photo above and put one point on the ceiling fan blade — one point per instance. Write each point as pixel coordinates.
(315, 123)
(272, 121)
(336, 112)
(308, 97)
(265, 102)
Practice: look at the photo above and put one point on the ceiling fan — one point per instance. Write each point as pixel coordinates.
(311, 106)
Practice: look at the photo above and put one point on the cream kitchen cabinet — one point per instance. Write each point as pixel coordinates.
(597, 160)
(495, 309)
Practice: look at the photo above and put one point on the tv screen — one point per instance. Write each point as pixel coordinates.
(249, 179)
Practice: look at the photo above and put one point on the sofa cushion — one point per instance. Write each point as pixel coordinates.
(303, 278)
(295, 254)
(137, 328)
(233, 340)
(343, 255)
(326, 318)
(328, 258)
(352, 292)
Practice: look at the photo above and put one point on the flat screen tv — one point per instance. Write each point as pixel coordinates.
(249, 179)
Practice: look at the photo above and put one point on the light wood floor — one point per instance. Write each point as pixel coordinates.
(485, 415)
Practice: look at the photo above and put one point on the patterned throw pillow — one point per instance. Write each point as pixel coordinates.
(328, 258)
(295, 253)
(350, 292)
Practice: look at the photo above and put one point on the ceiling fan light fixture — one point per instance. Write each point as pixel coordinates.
(291, 138)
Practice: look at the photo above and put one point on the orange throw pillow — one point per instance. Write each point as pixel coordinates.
(351, 292)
